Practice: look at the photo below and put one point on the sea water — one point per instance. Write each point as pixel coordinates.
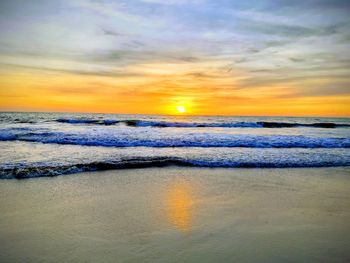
(50, 144)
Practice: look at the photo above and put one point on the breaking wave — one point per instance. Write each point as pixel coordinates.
(40, 170)
(149, 138)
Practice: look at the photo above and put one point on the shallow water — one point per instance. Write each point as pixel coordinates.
(50, 144)
(178, 215)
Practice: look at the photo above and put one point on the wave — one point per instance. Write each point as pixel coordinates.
(88, 121)
(164, 124)
(260, 124)
(40, 170)
(130, 138)
(55, 170)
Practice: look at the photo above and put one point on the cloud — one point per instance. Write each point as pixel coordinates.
(184, 46)
(340, 88)
(296, 59)
(92, 72)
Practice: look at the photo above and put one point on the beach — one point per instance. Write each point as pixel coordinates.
(178, 214)
(179, 131)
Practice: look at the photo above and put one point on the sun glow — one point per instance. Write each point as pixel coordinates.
(181, 109)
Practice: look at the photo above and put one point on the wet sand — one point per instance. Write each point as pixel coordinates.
(178, 215)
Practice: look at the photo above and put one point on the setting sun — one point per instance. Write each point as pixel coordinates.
(181, 109)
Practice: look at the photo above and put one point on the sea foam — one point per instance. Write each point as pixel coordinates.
(160, 138)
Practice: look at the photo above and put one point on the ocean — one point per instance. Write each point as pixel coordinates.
(52, 144)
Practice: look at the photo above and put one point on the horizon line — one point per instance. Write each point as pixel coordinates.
(179, 115)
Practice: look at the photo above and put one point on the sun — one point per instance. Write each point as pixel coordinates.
(181, 109)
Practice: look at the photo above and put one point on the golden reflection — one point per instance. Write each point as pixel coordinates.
(180, 205)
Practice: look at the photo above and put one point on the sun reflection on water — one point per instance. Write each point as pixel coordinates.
(180, 206)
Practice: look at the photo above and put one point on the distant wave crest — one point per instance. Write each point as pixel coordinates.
(88, 121)
(164, 124)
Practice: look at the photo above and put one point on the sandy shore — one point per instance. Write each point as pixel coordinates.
(178, 215)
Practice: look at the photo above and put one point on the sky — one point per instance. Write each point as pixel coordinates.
(223, 57)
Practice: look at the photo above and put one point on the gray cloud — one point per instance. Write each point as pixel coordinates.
(296, 59)
(104, 73)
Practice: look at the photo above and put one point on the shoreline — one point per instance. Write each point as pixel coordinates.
(20, 174)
